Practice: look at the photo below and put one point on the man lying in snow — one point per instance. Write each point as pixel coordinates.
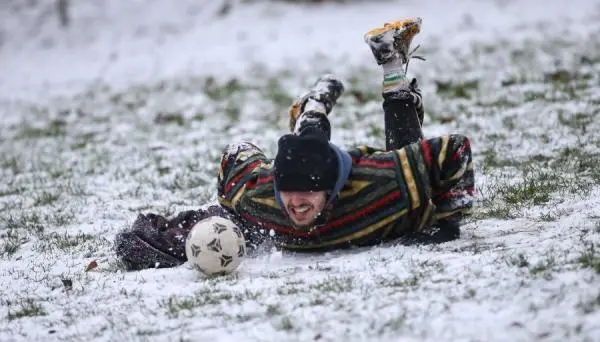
(315, 196)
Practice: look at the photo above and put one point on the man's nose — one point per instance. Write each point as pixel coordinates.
(296, 198)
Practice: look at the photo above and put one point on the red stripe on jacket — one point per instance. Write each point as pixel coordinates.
(426, 152)
(334, 224)
(379, 163)
(258, 181)
(248, 168)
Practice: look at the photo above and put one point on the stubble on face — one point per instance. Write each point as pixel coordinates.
(303, 207)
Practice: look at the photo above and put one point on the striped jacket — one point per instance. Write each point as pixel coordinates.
(385, 194)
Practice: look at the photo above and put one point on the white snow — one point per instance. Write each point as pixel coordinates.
(102, 82)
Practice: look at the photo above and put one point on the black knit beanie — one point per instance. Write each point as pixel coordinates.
(305, 163)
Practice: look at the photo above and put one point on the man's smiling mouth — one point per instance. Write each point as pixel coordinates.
(301, 210)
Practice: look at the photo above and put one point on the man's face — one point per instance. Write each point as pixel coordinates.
(303, 206)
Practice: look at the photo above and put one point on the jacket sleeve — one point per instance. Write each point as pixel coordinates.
(239, 164)
(443, 167)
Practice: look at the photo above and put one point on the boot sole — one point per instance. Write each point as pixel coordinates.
(409, 28)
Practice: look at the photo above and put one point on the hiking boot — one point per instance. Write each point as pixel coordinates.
(326, 90)
(392, 41)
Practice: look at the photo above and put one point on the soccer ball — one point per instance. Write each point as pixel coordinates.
(215, 246)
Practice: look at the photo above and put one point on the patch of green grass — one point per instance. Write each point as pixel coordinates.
(375, 132)
(288, 290)
(247, 295)
(470, 294)
(491, 160)
(54, 128)
(590, 305)
(519, 261)
(359, 86)
(581, 162)
(456, 89)
(499, 211)
(45, 198)
(536, 185)
(147, 332)
(27, 220)
(27, 308)
(11, 163)
(10, 247)
(565, 77)
(514, 80)
(578, 121)
(393, 324)
(63, 242)
(500, 103)
(273, 310)
(75, 188)
(199, 116)
(362, 96)
(474, 247)
(432, 265)
(316, 301)
(543, 266)
(409, 282)
(274, 91)
(548, 217)
(509, 122)
(334, 285)
(114, 266)
(222, 91)
(285, 324)
(59, 217)
(232, 111)
(185, 180)
(11, 241)
(177, 305)
(165, 118)
(133, 98)
(531, 96)
(12, 191)
(240, 318)
(590, 257)
(83, 140)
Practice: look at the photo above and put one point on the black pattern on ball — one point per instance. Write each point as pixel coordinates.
(225, 260)
(195, 250)
(238, 232)
(215, 245)
(200, 269)
(219, 228)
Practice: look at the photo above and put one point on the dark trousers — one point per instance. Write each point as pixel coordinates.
(402, 119)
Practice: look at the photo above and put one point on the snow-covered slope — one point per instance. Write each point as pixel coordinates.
(127, 110)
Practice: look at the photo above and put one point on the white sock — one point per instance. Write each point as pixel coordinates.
(394, 76)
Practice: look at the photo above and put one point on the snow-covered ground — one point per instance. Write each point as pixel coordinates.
(127, 110)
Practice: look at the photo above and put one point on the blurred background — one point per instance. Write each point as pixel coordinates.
(111, 108)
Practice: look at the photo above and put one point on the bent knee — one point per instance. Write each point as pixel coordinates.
(459, 147)
(460, 140)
